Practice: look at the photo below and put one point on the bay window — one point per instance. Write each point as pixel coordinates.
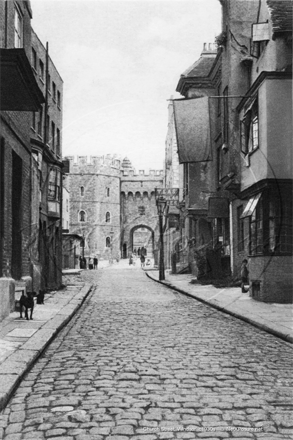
(270, 222)
(54, 185)
(250, 129)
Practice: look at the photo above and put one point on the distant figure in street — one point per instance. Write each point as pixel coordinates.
(244, 275)
(90, 263)
(142, 260)
(95, 263)
(130, 260)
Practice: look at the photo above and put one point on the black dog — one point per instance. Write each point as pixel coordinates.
(27, 301)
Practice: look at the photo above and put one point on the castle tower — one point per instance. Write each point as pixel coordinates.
(94, 187)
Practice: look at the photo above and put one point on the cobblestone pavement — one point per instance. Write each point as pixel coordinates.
(141, 361)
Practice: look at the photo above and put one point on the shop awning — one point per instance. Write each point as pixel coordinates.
(192, 122)
(251, 205)
(218, 207)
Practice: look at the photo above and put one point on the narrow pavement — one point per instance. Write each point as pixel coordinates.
(141, 361)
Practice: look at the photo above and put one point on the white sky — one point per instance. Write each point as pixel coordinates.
(120, 62)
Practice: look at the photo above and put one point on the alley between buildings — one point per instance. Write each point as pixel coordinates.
(141, 361)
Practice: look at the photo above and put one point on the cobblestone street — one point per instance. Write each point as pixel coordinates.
(141, 361)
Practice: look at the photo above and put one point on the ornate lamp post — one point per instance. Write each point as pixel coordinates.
(164, 198)
(161, 204)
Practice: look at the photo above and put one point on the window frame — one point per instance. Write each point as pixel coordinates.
(40, 123)
(34, 121)
(270, 224)
(249, 129)
(108, 217)
(256, 230)
(58, 142)
(49, 83)
(240, 229)
(58, 99)
(82, 216)
(53, 132)
(41, 70)
(54, 91)
(18, 28)
(54, 185)
(34, 59)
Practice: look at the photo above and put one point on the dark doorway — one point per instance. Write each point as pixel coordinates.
(16, 194)
(124, 250)
(2, 145)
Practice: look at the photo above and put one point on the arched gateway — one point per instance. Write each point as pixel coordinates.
(139, 217)
(142, 240)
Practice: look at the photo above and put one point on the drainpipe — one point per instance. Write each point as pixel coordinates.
(46, 95)
(231, 238)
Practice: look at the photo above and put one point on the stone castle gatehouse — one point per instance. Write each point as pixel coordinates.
(112, 206)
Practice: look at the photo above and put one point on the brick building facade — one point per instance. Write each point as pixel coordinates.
(20, 95)
(46, 144)
(24, 179)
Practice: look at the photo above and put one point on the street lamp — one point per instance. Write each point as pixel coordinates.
(161, 204)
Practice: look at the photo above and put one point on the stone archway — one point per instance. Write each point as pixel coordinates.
(147, 239)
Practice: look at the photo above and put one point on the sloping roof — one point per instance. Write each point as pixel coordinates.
(200, 68)
(281, 12)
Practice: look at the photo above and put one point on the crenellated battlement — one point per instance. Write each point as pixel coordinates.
(94, 164)
(109, 163)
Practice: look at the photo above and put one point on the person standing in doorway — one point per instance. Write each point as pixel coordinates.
(244, 275)
(95, 263)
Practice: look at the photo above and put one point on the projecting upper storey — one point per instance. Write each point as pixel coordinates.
(19, 90)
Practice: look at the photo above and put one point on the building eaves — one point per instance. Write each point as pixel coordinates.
(200, 68)
(281, 12)
(198, 75)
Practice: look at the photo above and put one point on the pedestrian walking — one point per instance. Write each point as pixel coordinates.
(95, 263)
(90, 263)
(244, 275)
(142, 260)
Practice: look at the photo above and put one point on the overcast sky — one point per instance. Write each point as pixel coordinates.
(120, 62)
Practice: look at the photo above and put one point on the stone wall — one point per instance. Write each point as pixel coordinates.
(115, 202)
(94, 187)
(138, 204)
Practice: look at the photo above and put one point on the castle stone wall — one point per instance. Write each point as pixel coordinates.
(98, 185)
